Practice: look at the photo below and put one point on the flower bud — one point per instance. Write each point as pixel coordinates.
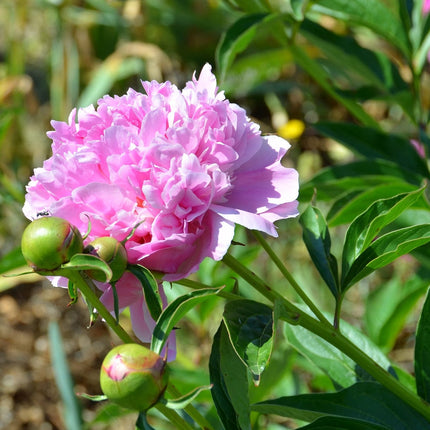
(49, 242)
(133, 376)
(112, 252)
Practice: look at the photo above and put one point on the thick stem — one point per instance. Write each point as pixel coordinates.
(332, 336)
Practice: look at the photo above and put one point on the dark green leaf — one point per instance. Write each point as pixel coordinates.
(317, 240)
(368, 402)
(142, 422)
(372, 143)
(174, 312)
(331, 423)
(385, 250)
(237, 38)
(372, 14)
(250, 327)
(72, 409)
(229, 379)
(366, 226)
(422, 351)
(150, 289)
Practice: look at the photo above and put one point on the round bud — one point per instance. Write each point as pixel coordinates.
(49, 242)
(112, 252)
(133, 376)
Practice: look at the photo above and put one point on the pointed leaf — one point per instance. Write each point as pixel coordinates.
(366, 226)
(369, 402)
(88, 262)
(150, 289)
(93, 397)
(237, 38)
(422, 351)
(174, 312)
(228, 376)
(373, 143)
(250, 328)
(317, 240)
(185, 400)
(372, 14)
(385, 250)
(352, 204)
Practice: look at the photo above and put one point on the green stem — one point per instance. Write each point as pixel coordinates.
(94, 301)
(285, 272)
(88, 292)
(332, 336)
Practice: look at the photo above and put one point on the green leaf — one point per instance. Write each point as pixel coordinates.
(373, 14)
(323, 79)
(342, 370)
(185, 400)
(349, 206)
(228, 376)
(422, 351)
(361, 64)
(251, 330)
(150, 289)
(12, 260)
(389, 306)
(72, 409)
(366, 226)
(372, 143)
(368, 402)
(93, 397)
(385, 250)
(317, 240)
(174, 312)
(332, 181)
(237, 38)
(88, 262)
(330, 423)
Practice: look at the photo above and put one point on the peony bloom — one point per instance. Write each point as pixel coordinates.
(187, 165)
(426, 6)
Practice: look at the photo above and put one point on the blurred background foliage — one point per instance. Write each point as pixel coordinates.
(59, 54)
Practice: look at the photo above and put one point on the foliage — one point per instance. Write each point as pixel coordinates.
(357, 74)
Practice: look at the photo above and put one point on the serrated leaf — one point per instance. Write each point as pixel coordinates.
(174, 312)
(150, 289)
(185, 400)
(317, 240)
(228, 376)
(341, 369)
(366, 226)
(237, 38)
(250, 327)
(369, 402)
(88, 262)
(372, 14)
(373, 143)
(422, 351)
(385, 250)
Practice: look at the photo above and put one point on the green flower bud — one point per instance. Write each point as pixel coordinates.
(112, 252)
(133, 376)
(49, 242)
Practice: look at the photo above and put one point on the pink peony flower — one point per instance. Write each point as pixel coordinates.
(426, 6)
(187, 165)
